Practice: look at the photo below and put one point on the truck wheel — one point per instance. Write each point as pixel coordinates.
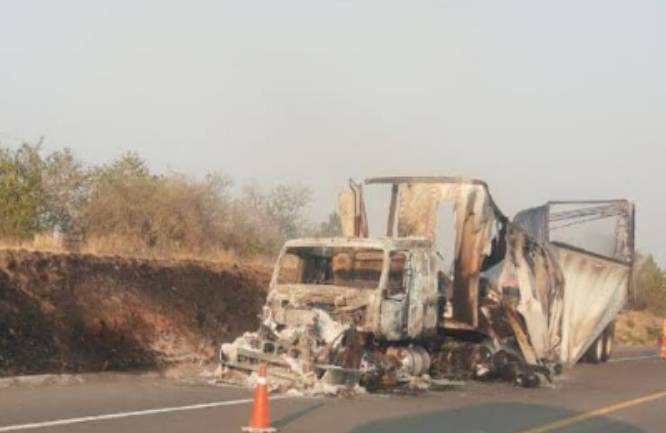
(608, 337)
(596, 351)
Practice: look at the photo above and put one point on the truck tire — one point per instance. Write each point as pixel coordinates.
(596, 351)
(608, 337)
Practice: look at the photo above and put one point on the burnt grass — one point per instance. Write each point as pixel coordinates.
(69, 313)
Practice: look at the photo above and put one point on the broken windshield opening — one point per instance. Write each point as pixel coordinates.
(359, 268)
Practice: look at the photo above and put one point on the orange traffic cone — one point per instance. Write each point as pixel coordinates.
(260, 419)
(663, 340)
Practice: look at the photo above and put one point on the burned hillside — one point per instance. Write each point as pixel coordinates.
(80, 313)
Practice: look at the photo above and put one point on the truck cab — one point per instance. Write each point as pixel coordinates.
(385, 287)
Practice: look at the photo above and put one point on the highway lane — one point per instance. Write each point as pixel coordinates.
(628, 395)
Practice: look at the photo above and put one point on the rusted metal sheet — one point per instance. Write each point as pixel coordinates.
(351, 209)
(482, 231)
(416, 208)
(521, 337)
(347, 213)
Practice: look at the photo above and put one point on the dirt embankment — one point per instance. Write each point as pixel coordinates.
(82, 313)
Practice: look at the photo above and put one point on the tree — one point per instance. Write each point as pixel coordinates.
(650, 285)
(261, 222)
(66, 186)
(129, 165)
(286, 206)
(134, 210)
(21, 191)
(119, 201)
(330, 228)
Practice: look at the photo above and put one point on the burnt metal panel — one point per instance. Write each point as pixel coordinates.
(597, 280)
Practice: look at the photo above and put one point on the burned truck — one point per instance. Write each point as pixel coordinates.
(512, 300)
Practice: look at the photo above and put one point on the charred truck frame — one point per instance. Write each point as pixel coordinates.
(518, 300)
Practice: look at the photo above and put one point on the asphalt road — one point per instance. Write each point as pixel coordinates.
(628, 396)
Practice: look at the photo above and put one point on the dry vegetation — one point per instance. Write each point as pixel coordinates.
(638, 328)
(54, 202)
(641, 322)
(111, 247)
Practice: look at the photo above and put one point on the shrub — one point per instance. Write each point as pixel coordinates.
(124, 208)
(21, 192)
(649, 285)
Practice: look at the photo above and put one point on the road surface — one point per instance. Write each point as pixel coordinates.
(627, 395)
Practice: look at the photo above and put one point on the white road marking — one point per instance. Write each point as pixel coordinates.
(109, 416)
(634, 358)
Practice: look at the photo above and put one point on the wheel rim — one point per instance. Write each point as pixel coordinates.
(609, 346)
(599, 349)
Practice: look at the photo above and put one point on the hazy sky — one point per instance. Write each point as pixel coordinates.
(544, 100)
